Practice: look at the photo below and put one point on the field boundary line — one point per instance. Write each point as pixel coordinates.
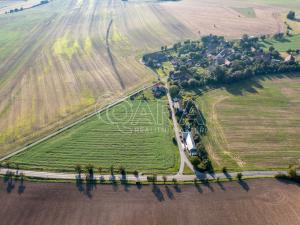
(82, 119)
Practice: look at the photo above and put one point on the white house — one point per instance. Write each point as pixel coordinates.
(189, 143)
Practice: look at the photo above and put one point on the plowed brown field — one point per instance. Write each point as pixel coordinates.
(254, 202)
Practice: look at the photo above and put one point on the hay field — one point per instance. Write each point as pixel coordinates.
(60, 60)
(135, 134)
(223, 18)
(254, 125)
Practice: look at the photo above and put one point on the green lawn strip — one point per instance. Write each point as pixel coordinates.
(135, 134)
(187, 171)
(292, 42)
(248, 12)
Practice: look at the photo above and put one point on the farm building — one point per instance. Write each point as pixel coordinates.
(189, 143)
(158, 90)
(178, 105)
(290, 58)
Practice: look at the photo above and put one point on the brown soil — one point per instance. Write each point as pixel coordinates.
(251, 202)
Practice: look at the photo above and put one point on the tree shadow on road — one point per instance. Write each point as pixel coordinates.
(125, 183)
(198, 187)
(221, 185)
(207, 184)
(228, 176)
(114, 183)
(79, 183)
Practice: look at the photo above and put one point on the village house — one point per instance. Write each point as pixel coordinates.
(289, 58)
(178, 105)
(178, 75)
(158, 90)
(189, 143)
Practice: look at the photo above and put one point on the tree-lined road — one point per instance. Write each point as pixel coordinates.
(178, 177)
(183, 159)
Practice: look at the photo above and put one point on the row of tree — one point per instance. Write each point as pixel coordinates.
(90, 170)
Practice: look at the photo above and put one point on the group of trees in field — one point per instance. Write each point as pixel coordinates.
(191, 119)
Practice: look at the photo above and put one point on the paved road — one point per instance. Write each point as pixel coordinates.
(178, 177)
(183, 159)
(85, 117)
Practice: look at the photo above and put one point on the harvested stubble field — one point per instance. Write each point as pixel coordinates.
(254, 125)
(59, 60)
(253, 202)
(135, 134)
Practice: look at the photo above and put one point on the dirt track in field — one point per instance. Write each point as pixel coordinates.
(254, 202)
(62, 67)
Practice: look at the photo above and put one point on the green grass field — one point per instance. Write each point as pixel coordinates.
(292, 42)
(253, 125)
(135, 134)
(286, 3)
(248, 12)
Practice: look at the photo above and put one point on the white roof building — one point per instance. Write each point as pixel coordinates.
(189, 143)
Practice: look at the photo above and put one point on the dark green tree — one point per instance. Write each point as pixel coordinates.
(174, 90)
(291, 15)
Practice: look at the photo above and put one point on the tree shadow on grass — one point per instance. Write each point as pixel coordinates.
(252, 85)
